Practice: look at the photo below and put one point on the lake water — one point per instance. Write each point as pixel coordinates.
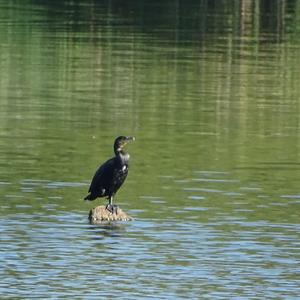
(210, 90)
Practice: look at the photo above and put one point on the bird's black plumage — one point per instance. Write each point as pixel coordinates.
(111, 175)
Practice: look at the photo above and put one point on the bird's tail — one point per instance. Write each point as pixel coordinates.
(88, 197)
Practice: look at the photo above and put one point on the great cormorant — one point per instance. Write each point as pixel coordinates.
(110, 176)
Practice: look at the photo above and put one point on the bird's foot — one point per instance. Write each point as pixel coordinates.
(112, 208)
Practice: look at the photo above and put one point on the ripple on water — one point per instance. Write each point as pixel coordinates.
(206, 190)
(195, 197)
(148, 253)
(290, 196)
(63, 184)
(213, 180)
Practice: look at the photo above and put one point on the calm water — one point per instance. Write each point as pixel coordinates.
(211, 91)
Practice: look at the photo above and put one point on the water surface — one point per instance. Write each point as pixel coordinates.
(211, 93)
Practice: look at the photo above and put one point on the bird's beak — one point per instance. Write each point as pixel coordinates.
(130, 139)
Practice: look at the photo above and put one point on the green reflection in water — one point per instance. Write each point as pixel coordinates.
(213, 96)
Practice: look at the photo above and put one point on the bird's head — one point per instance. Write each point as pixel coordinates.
(121, 141)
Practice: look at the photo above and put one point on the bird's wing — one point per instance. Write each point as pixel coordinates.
(119, 177)
(101, 176)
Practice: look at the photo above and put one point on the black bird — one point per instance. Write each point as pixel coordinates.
(110, 176)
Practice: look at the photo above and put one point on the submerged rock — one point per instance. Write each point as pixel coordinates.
(100, 215)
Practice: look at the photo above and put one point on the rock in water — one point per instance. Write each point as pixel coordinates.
(100, 215)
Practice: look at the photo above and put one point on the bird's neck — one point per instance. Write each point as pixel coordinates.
(119, 152)
(123, 156)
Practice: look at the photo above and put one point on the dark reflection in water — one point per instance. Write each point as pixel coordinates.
(211, 91)
(112, 230)
(159, 18)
